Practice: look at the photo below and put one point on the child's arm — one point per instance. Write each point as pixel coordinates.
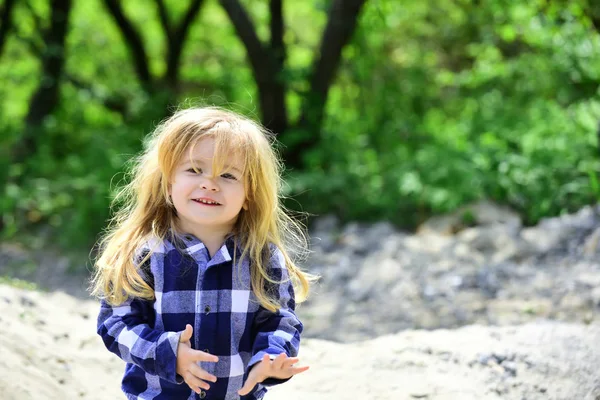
(125, 332)
(278, 334)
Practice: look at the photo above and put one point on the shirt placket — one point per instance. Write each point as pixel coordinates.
(206, 311)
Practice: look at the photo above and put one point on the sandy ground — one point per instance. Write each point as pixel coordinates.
(49, 350)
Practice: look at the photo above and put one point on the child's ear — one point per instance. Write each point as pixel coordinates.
(245, 205)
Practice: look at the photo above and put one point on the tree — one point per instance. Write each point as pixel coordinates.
(175, 35)
(46, 97)
(267, 61)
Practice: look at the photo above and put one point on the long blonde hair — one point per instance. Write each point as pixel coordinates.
(146, 211)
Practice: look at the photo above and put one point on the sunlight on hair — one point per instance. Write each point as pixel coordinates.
(145, 210)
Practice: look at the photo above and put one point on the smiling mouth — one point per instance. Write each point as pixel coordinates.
(207, 202)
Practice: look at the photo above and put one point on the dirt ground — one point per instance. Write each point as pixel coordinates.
(49, 350)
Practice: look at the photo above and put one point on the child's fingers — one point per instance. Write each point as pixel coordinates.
(288, 372)
(283, 367)
(278, 361)
(202, 356)
(288, 362)
(196, 384)
(248, 385)
(186, 334)
(298, 370)
(201, 373)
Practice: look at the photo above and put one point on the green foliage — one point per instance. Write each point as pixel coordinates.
(439, 104)
(435, 104)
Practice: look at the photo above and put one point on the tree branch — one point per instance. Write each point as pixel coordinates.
(277, 29)
(247, 34)
(133, 40)
(188, 18)
(164, 19)
(46, 97)
(53, 59)
(114, 103)
(177, 41)
(267, 67)
(341, 23)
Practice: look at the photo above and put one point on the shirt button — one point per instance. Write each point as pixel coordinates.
(202, 394)
(207, 310)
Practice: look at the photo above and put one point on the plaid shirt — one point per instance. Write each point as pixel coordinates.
(213, 296)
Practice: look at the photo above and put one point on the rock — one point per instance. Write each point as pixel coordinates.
(494, 273)
(510, 368)
(595, 295)
(480, 213)
(324, 234)
(553, 234)
(590, 248)
(376, 282)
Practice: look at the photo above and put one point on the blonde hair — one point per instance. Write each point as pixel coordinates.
(147, 211)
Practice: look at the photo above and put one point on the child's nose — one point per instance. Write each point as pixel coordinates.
(208, 183)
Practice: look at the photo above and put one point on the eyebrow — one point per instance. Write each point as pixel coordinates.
(200, 162)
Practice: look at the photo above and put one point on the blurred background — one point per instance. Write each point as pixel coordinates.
(447, 152)
(386, 110)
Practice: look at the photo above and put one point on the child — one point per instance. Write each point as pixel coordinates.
(195, 274)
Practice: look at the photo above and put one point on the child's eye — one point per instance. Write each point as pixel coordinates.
(229, 176)
(194, 171)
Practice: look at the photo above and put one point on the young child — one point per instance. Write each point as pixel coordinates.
(195, 273)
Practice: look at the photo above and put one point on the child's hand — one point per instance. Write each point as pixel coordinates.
(187, 366)
(282, 367)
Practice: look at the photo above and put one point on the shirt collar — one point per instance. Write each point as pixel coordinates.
(194, 247)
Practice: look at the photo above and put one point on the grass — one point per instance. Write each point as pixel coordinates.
(18, 283)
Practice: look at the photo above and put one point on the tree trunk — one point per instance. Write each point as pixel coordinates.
(134, 41)
(341, 23)
(176, 38)
(275, 115)
(46, 98)
(267, 64)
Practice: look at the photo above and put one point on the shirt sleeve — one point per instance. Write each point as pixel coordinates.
(277, 332)
(126, 331)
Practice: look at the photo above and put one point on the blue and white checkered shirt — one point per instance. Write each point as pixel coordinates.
(213, 296)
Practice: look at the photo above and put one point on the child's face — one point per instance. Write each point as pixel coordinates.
(204, 201)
